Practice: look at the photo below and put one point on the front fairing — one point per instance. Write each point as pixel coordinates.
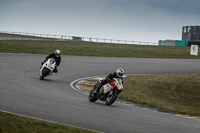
(119, 84)
(116, 84)
(50, 64)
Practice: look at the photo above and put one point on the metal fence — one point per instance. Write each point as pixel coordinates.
(88, 39)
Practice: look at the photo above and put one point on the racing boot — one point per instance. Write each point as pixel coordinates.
(55, 70)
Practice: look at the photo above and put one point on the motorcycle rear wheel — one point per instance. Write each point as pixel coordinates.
(93, 96)
(110, 99)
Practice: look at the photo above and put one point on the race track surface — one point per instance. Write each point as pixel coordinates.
(53, 99)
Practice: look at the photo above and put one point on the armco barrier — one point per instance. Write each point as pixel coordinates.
(89, 39)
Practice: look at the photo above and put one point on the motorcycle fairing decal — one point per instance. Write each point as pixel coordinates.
(106, 88)
(119, 87)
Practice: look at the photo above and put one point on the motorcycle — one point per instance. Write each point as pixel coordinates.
(47, 68)
(107, 92)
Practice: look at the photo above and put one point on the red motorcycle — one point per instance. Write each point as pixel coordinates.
(108, 92)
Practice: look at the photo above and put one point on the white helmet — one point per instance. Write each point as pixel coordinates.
(120, 72)
(57, 53)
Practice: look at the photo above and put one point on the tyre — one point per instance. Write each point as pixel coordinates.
(110, 99)
(41, 77)
(93, 96)
(45, 72)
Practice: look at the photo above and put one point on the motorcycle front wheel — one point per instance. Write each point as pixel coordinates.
(45, 72)
(111, 97)
(93, 96)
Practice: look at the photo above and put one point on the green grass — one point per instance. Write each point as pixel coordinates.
(170, 92)
(17, 124)
(94, 49)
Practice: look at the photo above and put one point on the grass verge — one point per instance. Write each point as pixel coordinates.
(170, 92)
(10, 123)
(94, 49)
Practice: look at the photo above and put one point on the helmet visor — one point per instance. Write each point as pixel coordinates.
(57, 54)
(120, 74)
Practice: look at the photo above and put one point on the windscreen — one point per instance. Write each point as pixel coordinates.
(52, 60)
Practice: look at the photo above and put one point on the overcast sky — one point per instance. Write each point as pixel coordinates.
(134, 20)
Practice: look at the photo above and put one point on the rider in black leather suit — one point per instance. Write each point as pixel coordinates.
(118, 74)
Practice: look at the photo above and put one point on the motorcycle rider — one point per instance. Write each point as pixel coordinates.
(117, 74)
(57, 57)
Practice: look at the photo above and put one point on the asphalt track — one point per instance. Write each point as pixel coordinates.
(53, 99)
